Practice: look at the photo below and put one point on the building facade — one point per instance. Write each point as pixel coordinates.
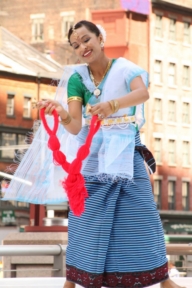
(168, 129)
(170, 106)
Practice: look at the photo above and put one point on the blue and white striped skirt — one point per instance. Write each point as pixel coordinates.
(119, 240)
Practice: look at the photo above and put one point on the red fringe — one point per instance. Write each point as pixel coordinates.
(74, 184)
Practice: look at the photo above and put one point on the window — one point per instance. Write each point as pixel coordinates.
(186, 153)
(171, 195)
(172, 111)
(22, 140)
(27, 107)
(172, 152)
(10, 105)
(158, 109)
(172, 29)
(158, 72)
(157, 150)
(37, 21)
(8, 140)
(186, 76)
(186, 113)
(158, 26)
(68, 20)
(157, 193)
(185, 196)
(172, 74)
(186, 32)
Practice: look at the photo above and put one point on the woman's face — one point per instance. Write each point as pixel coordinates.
(86, 44)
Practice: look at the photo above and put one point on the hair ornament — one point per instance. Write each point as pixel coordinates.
(103, 32)
(75, 32)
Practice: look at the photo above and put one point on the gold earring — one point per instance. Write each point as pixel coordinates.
(102, 44)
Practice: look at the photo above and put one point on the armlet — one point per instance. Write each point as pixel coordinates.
(74, 98)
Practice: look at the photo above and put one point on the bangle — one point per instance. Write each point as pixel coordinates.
(67, 120)
(116, 105)
(111, 103)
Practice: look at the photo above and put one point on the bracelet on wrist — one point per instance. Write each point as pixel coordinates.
(67, 120)
(114, 105)
(111, 105)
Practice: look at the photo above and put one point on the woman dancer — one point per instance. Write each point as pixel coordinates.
(118, 241)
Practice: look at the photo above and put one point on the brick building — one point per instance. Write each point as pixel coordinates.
(159, 42)
(25, 74)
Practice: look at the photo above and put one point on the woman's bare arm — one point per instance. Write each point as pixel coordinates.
(138, 94)
(75, 111)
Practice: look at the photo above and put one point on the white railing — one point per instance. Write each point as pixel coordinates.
(37, 250)
(179, 249)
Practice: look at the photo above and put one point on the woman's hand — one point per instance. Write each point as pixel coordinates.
(75, 113)
(103, 110)
(51, 105)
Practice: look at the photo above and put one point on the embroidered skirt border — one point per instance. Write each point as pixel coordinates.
(117, 279)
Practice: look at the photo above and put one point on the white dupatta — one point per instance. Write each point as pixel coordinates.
(112, 149)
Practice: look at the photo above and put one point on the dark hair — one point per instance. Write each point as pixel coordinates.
(89, 25)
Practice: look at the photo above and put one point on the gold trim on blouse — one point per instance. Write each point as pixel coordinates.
(74, 98)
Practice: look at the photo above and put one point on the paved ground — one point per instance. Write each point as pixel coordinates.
(58, 283)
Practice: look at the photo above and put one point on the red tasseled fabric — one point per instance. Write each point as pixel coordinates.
(74, 184)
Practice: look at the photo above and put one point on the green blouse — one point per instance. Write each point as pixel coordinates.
(76, 87)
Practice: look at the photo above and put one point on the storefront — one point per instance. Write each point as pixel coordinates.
(177, 226)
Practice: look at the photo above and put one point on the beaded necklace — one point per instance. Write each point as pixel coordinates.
(97, 90)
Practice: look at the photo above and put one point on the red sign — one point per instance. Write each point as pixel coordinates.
(4, 186)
